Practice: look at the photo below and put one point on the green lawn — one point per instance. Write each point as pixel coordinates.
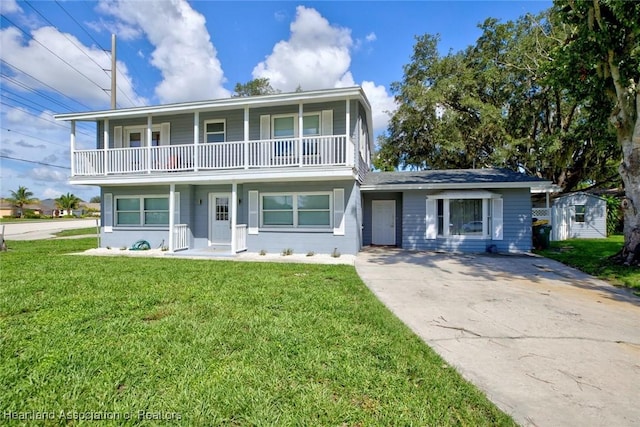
(77, 232)
(214, 342)
(591, 256)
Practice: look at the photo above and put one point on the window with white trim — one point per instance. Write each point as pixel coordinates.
(468, 214)
(296, 210)
(214, 131)
(581, 211)
(136, 136)
(141, 211)
(286, 126)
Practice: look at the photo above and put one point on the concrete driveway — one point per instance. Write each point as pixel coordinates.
(548, 344)
(35, 230)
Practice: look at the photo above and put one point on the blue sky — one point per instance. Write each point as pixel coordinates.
(53, 60)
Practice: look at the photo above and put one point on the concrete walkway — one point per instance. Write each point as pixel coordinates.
(36, 230)
(548, 344)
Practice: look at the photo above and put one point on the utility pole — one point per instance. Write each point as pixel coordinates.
(113, 71)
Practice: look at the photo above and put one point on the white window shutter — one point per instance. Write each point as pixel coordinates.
(176, 207)
(117, 137)
(107, 214)
(432, 219)
(254, 212)
(165, 134)
(265, 127)
(496, 215)
(327, 122)
(338, 212)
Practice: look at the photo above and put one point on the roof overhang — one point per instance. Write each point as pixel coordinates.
(453, 186)
(325, 95)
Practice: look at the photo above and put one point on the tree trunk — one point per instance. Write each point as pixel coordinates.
(630, 173)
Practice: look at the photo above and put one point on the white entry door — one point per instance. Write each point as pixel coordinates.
(219, 219)
(383, 222)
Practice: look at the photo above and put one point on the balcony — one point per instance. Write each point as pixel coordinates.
(337, 150)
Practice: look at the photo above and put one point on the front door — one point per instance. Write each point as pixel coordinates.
(383, 222)
(219, 219)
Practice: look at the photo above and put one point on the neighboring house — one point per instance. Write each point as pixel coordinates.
(8, 210)
(579, 216)
(285, 171)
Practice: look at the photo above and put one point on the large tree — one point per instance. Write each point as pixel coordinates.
(601, 55)
(21, 198)
(255, 87)
(496, 104)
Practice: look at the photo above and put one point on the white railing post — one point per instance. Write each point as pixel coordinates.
(105, 145)
(72, 143)
(172, 220)
(246, 137)
(300, 133)
(234, 216)
(149, 135)
(196, 139)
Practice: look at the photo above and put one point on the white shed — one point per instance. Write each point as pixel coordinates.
(579, 216)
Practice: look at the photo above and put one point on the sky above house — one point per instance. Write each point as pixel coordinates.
(55, 58)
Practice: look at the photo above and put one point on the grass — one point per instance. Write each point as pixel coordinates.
(77, 232)
(591, 256)
(214, 343)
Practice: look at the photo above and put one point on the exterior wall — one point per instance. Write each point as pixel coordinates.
(565, 226)
(367, 229)
(305, 241)
(516, 225)
(182, 124)
(199, 223)
(126, 236)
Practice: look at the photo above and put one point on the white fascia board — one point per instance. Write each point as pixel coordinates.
(218, 177)
(450, 186)
(223, 104)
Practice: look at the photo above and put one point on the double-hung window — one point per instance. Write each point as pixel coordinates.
(142, 211)
(296, 210)
(214, 131)
(581, 211)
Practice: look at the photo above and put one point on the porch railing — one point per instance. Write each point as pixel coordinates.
(336, 150)
(241, 237)
(180, 237)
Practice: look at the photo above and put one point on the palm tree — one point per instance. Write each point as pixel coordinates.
(21, 198)
(67, 202)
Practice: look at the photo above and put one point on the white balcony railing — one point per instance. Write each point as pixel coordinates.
(241, 237)
(308, 151)
(180, 237)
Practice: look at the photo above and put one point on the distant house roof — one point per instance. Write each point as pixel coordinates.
(450, 179)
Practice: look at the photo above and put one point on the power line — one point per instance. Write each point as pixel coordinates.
(42, 118)
(100, 46)
(45, 84)
(31, 136)
(53, 53)
(35, 162)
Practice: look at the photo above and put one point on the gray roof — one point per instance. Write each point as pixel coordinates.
(450, 178)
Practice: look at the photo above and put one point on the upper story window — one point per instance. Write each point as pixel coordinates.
(287, 126)
(136, 136)
(214, 131)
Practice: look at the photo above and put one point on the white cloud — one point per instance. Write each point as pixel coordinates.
(123, 30)
(382, 104)
(371, 37)
(9, 6)
(55, 67)
(315, 56)
(183, 51)
(48, 174)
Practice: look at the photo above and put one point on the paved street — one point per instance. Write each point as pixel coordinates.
(34, 230)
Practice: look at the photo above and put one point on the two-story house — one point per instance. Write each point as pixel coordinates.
(285, 171)
(263, 173)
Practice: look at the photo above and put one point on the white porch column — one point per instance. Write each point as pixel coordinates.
(105, 143)
(72, 146)
(196, 139)
(546, 193)
(172, 209)
(246, 137)
(234, 217)
(300, 132)
(349, 146)
(149, 135)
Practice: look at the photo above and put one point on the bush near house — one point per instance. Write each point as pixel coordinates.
(215, 342)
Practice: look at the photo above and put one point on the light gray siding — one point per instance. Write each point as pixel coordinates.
(516, 225)
(565, 225)
(304, 241)
(156, 236)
